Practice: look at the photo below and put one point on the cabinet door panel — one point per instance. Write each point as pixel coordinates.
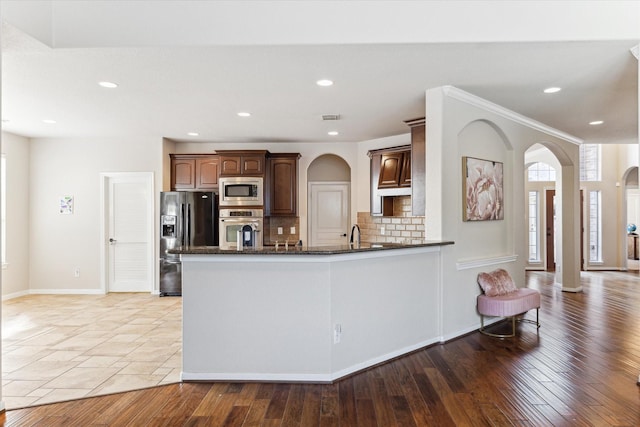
(283, 187)
(390, 169)
(405, 176)
(229, 165)
(183, 172)
(207, 173)
(252, 165)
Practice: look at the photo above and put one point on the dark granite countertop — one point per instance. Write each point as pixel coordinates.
(304, 250)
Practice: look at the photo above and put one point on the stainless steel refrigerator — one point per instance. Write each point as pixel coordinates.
(186, 219)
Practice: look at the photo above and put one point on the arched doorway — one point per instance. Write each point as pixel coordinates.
(329, 194)
(563, 218)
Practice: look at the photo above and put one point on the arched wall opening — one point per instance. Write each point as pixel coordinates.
(541, 170)
(328, 201)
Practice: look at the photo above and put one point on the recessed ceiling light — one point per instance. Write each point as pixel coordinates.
(109, 85)
(552, 89)
(596, 122)
(324, 82)
(333, 132)
(244, 114)
(193, 134)
(49, 121)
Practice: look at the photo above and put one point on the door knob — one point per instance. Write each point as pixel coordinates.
(344, 235)
(112, 241)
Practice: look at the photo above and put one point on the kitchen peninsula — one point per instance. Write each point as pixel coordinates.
(307, 314)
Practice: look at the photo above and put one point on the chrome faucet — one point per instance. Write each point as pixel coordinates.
(353, 229)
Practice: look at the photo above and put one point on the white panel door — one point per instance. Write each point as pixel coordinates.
(130, 233)
(329, 213)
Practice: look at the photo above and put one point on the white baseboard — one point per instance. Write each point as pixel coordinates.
(14, 295)
(226, 377)
(308, 378)
(66, 292)
(487, 322)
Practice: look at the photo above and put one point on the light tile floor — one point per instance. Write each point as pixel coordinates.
(61, 347)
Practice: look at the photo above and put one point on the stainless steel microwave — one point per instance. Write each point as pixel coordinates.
(241, 191)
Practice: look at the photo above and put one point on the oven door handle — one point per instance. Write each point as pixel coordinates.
(238, 220)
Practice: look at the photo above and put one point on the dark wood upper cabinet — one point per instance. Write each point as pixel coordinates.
(183, 173)
(405, 176)
(391, 169)
(229, 165)
(281, 192)
(194, 172)
(252, 165)
(390, 176)
(236, 163)
(400, 171)
(395, 168)
(207, 172)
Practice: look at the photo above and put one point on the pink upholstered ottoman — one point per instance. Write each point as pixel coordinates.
(509, 305)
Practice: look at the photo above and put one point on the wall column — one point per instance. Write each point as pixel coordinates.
(568, 270)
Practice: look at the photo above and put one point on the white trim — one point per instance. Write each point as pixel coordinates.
(562, 288)
(461, 95)
(469, 329)
(315, 378)
(635, 51)
(15, 295)
(591, 267)
(484, 262)
(383, 358)
(66, 292)
(226, 377)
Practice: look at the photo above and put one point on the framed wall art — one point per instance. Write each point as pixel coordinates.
(483, 194)
(66, 205)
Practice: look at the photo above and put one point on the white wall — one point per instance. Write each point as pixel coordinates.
(59, 243)
(15, 277)
(468, 126)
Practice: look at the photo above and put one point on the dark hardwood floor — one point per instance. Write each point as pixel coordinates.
(579, 370)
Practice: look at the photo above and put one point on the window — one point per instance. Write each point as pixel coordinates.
(3, 208)
(534, 252)
(590, 162)
(595, 227)
(541, 172)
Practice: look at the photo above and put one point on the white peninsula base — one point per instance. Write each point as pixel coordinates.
(306, 317)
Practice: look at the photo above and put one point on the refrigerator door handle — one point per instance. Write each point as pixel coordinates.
(188, 219)
(182, 225)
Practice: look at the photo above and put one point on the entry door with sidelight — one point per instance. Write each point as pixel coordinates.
(328, 213)
(129, 232)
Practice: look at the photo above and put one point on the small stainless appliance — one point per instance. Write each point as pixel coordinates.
(186, 219)
(241, 228)
(241, 191)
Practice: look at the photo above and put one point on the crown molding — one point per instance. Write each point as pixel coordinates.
(476, 101)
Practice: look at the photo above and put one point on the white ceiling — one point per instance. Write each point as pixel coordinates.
(191, 66)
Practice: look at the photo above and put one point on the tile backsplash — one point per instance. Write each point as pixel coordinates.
(397, 229)
(271, 225)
